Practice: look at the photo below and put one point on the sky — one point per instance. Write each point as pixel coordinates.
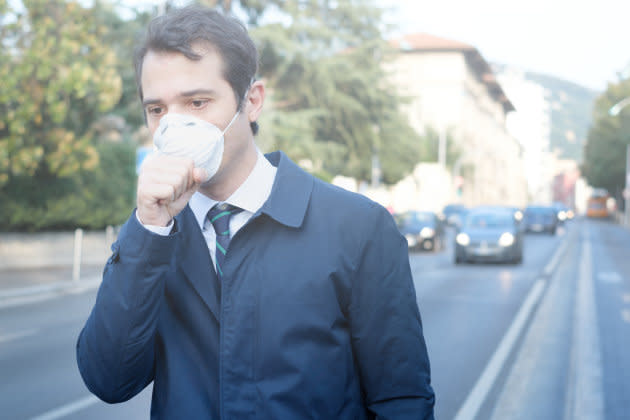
(582, 41)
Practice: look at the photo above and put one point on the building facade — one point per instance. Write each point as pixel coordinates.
(530, 124)
(451, 89)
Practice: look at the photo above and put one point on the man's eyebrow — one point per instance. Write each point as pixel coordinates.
(186, 94)
(195, 92)
(150, 102)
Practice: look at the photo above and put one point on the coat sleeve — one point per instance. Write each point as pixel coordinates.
(115, 349)
(386, 327)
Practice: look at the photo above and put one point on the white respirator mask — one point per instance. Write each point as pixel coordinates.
(187, 136)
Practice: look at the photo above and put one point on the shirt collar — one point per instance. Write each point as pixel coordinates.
(250, 196)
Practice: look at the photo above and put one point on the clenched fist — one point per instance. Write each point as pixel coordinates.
(165, 185)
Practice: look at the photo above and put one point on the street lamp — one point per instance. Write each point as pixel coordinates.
(616, 108)
(614, 111)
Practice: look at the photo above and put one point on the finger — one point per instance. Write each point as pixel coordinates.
(185, 197)
(160, 193)
(200, 175)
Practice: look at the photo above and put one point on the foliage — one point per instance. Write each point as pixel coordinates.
(325, 70)
(59, 78)
(122, 36)
(604, 163)
(90, 199)
(56, 77)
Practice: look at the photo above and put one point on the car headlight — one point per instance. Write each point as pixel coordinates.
(507, 239)
(411, 240)
(462, 239)
(427, 232)
(562, 215)
(518, 215)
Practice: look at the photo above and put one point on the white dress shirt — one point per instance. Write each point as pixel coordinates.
(250, 197)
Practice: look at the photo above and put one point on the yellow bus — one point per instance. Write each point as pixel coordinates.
(597, 204)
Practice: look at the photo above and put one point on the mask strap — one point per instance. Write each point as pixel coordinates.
(238, 111)
(230, 124)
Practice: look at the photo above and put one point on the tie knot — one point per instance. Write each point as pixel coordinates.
(219, 216)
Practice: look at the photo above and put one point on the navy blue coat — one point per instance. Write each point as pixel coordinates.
(316, 317)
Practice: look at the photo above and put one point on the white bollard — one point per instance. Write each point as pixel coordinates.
(76, 264)
(109, 236)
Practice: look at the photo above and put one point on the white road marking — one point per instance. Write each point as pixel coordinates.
(609, 277)
(67, 409)
(4, 338)
(551, 266)
(585, 399)
(485, 382)
(477, 396)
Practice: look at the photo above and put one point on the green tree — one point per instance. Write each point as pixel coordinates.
(326, 69)
(604, 163)
(57, 76)
(59, 79)
(90, 199)
(122, 36)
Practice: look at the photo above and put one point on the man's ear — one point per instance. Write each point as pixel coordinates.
(254, 100)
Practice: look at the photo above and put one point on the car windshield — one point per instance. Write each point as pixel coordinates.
(453, 208)
(414, 218)
(539, 210)
(489, 220)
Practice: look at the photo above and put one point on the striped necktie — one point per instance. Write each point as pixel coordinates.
(219, 216)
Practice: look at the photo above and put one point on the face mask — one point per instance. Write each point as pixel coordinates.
(186, 136)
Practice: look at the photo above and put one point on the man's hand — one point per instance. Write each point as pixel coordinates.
(165, 185)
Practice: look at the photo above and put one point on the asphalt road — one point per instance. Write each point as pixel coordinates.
(547, 339)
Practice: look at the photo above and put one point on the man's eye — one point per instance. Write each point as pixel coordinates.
(155, 110)
(198, 103)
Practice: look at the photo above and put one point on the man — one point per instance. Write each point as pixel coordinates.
(308, 312)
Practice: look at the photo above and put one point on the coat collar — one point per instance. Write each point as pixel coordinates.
(291, 192)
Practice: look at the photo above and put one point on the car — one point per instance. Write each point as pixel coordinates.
(517, 213)
(424, 230)
(491, 235)
(453, 213)
(564, 213)
(540, 219)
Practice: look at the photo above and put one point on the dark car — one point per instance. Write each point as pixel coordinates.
(489, 235)
(453, 214)
(540, 219)
(424, 230)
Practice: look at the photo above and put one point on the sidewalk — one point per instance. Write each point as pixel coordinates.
(19, 286)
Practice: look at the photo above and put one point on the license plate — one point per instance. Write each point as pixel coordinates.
(484, 249)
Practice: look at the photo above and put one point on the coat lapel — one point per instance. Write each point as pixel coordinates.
(194, 260)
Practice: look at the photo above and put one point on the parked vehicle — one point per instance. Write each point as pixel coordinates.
(424, 230)
(540, 219)
(491, 235)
